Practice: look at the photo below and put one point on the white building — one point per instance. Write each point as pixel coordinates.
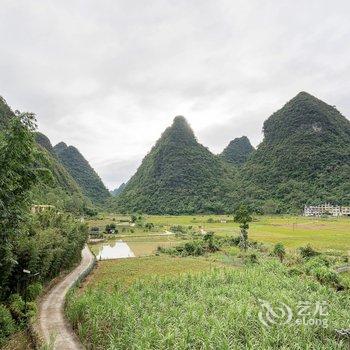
(326, 209)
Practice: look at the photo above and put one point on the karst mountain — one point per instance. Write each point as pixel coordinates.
(303, 158)
(238, 151)
(179, 175)
(82, 172)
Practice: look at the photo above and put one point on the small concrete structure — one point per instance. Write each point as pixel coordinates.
(35, 209)
(326, 209)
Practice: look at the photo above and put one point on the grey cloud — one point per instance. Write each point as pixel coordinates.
(109, 76)
(115, 173)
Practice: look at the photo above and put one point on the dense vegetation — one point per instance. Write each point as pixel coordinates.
(33, 249)
(179, 175)
(238, 151)
(162, 302)
(303, 159)
(5, 114)
(215, 310)
(62, 190)
(80, 169)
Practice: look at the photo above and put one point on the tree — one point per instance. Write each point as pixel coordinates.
(111, 228)
(18, 175)
(149, 226)
(243, 217)
(279, 251)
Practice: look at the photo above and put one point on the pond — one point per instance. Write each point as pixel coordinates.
(115, 250)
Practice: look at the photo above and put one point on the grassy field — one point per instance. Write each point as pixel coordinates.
(292, 231)
(217, 309)
(213, 301)
(117, 273)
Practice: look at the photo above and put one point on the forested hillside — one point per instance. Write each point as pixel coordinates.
(62, 190)
(80, 169)
(304, 157)
(5, 113)
(34, 248)
(179, 175)
(237, 151)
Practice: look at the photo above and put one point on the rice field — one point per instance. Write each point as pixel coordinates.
(162, 302)
(292, 231)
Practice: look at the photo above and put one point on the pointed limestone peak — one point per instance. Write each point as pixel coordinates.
(304, 113)
(44, 142)
(238, 150)
(179, 132)
(61, 146)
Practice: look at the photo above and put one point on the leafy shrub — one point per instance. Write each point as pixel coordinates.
(319, 267)
(94, 230)
(17, 306)
(253, 258)
(316, 262)
(193, 248)
(7, 324)
(234, 241)
(149, 226)
(279, 251)
(34, 290)
(111, 228)
(308, 252)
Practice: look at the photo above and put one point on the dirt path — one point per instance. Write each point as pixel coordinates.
(53, 328)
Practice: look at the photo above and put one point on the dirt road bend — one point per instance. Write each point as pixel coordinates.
(52, 326)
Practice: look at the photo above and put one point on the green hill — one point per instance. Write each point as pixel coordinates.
(179, 175)
(44, 142)
(61, 176)
(237, 151)
(80, 169)
(304, 157)
(62, 191)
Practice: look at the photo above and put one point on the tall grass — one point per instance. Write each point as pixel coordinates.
(212, 310)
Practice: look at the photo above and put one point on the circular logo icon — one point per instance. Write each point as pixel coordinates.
(269, 315)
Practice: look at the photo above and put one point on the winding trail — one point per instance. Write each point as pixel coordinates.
(53, 328)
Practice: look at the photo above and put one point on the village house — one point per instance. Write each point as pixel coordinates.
(326, 209)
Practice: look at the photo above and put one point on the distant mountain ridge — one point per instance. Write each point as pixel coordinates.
(179, 175)
(304, 158)
(237, 151)
(82, 172)
(118, 190)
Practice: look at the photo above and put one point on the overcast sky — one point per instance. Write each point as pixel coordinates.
(109, 76)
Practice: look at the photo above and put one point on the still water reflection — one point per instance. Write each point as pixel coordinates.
(115, 250)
